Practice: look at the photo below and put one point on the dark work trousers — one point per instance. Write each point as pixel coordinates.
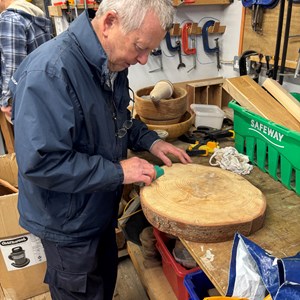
(82, 270)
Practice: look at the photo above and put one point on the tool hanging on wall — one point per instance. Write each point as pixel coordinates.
(243, 61)
(69, 13)
(206, 47)
(177, 49)
(257, 68)
(269, 72)
(157, 53)
(286, 39)
(185, 43)
(298, 65)
(191, 30)
(194, 56)
(258, 7)
(181, 64)
(218, 53)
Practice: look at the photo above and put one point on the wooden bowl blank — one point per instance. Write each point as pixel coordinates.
(165, 110)
(203, 204)
(175, 130)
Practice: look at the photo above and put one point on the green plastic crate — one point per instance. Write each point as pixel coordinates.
(273, 148)
(296, 95)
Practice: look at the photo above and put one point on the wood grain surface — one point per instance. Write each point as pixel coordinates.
(291, 104)
(203, 204)
(252, 96)
(279, 234)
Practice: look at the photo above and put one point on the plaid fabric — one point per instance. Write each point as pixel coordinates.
(20, 34)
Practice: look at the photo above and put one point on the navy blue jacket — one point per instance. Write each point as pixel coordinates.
(70, 179)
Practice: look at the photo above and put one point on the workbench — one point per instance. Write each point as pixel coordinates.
(279, 235)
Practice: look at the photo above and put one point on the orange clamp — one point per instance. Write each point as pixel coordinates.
(185, 39)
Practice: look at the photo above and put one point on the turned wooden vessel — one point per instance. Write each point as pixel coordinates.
(164, 111)
(174, 130)
(203, 204)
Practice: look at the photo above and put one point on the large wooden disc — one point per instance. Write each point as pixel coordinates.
(203, 204)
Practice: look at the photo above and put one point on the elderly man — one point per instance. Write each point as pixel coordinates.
(72, 132)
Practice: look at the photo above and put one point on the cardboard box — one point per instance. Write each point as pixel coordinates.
(22, 257)
(9, 169)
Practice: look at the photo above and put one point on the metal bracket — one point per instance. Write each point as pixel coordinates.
(157, 52)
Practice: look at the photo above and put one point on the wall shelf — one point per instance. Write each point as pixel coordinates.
(196, 30)
(56, 10)
(177, 3)
(288, 64)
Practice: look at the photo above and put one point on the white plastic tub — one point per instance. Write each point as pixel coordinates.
(208, 115)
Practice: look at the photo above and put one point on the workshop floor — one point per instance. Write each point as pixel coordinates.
(129, 286)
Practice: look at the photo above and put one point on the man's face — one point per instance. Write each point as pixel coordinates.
(125, 50)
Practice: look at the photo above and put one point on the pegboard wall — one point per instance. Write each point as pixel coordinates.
(265, 42)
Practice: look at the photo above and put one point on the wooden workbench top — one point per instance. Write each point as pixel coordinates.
(279, 235)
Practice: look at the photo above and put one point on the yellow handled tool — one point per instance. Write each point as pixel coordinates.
(199, 149)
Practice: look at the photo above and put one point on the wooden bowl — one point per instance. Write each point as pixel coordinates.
(160, 122)
(164, 111)
(175, 130)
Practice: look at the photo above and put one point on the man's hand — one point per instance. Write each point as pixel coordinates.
(137, 170)
(161, 148)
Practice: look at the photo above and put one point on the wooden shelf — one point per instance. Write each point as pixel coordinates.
(7, 133)
(177, 3)
(56, 10)
(288, 64)
(196, 30)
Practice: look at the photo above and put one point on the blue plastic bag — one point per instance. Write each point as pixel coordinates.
(254, 273)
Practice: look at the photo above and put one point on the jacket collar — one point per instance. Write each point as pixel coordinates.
(90, 45)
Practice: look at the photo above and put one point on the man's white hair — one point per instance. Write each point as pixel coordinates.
(132, 12)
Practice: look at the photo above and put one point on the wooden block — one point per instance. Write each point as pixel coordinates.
(206, 91)
(120, 238)
(207, 81)
(7, 132)
(252, 96)
(55, 11)
(153, 279)
(283, 96)
(201, 2)
(216, 29)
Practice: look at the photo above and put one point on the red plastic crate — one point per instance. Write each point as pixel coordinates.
(173, 271)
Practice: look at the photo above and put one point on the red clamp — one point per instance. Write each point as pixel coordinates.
(185, 39)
